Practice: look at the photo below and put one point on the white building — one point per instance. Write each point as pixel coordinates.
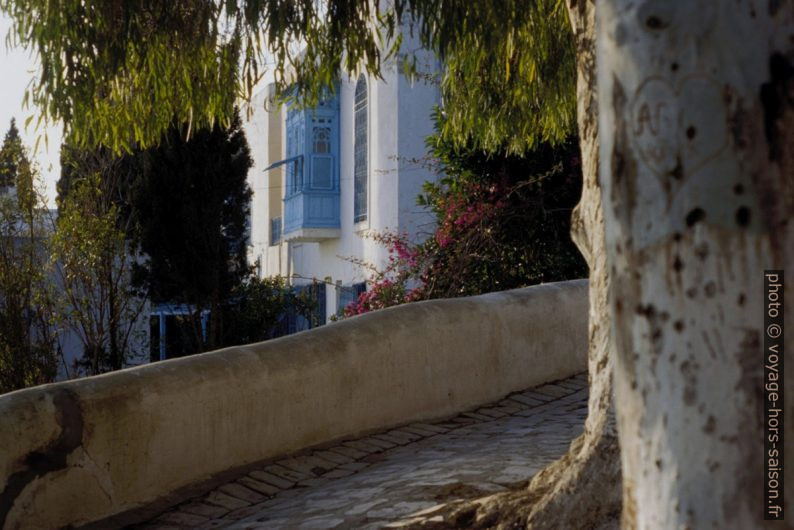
(325, 178)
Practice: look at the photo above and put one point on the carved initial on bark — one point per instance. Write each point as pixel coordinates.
(678, 128)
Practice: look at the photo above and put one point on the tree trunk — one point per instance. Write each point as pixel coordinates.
(696, 128)
(582, 489)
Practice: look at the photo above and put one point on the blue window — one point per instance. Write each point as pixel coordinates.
(171, 331)
(360, 152)
(322, 155)
(295, 146)
(275, 231)
(349, 294)
(297, 322)
(311, 198)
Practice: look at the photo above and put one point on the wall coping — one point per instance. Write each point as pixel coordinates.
(80, 451)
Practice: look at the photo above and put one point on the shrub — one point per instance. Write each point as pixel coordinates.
(502, 221)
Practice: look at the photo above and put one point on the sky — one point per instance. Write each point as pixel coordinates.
(17, 68)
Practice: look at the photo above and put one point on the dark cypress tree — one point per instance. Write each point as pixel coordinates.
(190, 204)
(14, 164)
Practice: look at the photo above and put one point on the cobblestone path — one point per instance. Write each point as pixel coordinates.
(386, 480)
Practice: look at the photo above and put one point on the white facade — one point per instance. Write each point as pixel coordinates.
(399, 119)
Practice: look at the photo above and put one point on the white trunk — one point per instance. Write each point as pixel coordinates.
(582, 489)
(697, 187)
(587, 223)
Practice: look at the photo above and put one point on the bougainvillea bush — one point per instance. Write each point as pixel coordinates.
(397, 283)
(502, 221)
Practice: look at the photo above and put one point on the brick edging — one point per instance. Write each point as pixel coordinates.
(246, 495)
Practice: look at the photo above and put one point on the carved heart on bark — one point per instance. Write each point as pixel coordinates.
(678, 129)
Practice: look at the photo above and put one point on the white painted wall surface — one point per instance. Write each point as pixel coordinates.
(134, 436)
(399, 120)
(256, 133)
(416, 101)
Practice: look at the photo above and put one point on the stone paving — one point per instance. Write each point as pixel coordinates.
(399, 476)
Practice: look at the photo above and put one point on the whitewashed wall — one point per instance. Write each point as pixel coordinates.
(256, 132)
(399, 114)
(120, 441)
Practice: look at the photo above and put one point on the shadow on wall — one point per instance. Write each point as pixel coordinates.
(84, 450)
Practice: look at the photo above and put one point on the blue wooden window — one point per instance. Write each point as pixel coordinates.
(360, 152)
(322, 154)
(171, 333)
(311, 198)
(321, 137)
(296, 127)
(348, 294)
(313, 143)
(360, 288)
(275, 231)
(296, 322)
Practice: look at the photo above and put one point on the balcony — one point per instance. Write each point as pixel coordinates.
(311, 198)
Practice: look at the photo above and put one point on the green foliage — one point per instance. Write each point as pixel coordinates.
(16, 170)
(502, 222)
(189, 206)
(118, 72)
(182, 205)
(28, 340)
(258, 307)
(509, 77)
(11, 156)
(115, 175)
(90, 252)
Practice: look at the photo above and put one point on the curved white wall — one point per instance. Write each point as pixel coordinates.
(83, 450)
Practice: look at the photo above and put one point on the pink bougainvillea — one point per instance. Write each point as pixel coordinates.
(410, 268)
(388, 287)
(501, 222)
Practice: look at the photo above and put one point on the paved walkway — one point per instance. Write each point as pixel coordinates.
(386, 480)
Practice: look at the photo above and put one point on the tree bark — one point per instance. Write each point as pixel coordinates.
(582, 489)
(696, 104)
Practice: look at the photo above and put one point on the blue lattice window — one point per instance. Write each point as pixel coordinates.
(296, 144)
(360, 152)
(311, 197)
(322, 154)
(275, 231)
